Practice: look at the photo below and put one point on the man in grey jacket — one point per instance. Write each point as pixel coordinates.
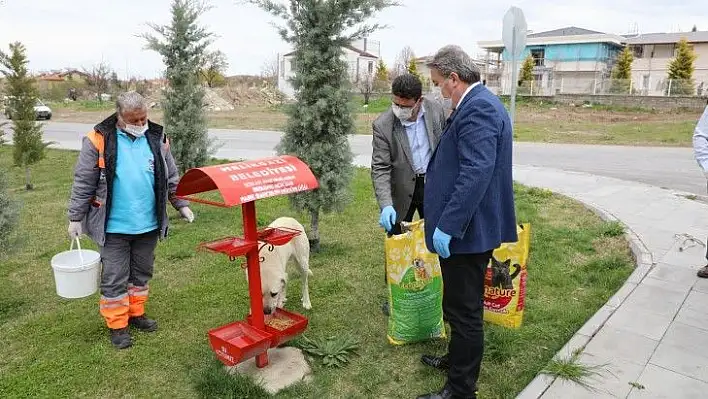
(700, 149)
(123, 179)
(404, 138)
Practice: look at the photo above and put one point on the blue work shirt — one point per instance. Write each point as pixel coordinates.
(418, 140)
(133, 198)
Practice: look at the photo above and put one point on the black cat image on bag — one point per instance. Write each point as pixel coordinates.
(500, 274)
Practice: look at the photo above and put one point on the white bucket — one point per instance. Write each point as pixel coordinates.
(76, 271)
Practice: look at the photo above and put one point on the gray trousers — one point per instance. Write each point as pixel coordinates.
(127, 259)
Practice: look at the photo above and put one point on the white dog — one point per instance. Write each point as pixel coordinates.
(274, 275)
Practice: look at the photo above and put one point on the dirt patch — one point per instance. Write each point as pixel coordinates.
(575, 114)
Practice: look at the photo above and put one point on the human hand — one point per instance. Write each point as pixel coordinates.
(388, 218)
(75, 229)
(441, 242)
(187, 214)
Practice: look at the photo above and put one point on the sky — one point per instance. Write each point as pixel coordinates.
(82, 33)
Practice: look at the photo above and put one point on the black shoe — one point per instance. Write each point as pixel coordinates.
(120, 338)
(703, 272)
(437, 362)
(385, 309)
(142, 323)
(446, 393)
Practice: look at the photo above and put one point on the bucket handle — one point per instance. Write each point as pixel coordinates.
(78, 245)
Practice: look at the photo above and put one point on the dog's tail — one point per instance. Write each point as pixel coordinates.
(309, 272)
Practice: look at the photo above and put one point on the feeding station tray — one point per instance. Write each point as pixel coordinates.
(242, 184)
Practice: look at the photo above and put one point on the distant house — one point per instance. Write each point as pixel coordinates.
(654, 51)
(361, 56)
(568, 60)
(69, 74)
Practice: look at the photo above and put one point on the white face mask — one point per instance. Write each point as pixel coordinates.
(136, 130)
(447, 103)
(403, 114)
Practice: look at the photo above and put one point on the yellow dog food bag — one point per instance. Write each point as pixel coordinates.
(414, 286)
(505, 281)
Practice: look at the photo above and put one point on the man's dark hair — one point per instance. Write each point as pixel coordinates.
(407, 86)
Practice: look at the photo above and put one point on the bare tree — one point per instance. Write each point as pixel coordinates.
(214, 68)
(269, 71)
(402, 61)
(98, 78)
(366, 86)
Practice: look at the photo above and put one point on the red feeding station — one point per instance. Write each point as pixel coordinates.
(242, 183)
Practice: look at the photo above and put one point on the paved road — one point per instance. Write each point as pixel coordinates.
(672, 168)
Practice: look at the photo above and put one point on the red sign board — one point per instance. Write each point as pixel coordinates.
(247, 181)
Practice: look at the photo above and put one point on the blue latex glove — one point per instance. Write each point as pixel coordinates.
(441, 242)
(388, 218)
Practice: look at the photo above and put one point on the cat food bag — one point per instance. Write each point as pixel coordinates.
(505, 281)
(414, 286)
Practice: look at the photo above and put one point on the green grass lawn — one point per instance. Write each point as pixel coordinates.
(648, 133)
(55, 348)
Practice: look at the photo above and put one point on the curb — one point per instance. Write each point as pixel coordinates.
(644, 262)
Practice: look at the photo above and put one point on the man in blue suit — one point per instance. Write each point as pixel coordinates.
(469, 209)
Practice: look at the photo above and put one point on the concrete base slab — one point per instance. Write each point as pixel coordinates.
(286, 367)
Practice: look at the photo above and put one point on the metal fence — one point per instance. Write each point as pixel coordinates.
(549, 86)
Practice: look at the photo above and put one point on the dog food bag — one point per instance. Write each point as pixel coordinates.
(415, 288)
(505, 281)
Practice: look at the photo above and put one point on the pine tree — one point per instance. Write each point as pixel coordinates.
(320, 121)
(413, 68)
(9, 211)
(183, 47)
(681, 70)
(381, 82)
(381, 71)
(526, 74)
(622, 72)
(23, 94)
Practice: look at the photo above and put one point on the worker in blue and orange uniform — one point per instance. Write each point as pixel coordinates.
(123, 179)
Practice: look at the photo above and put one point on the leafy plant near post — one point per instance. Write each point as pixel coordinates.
(183, 46)
(320, 121)
(681, 70)
(334, 351)
(23, 94)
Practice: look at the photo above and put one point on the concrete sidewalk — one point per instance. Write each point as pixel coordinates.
(653, 334)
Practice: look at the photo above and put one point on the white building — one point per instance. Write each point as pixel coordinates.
(653, 52)
(361, 56)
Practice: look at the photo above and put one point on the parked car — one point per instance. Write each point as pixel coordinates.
(41, 111)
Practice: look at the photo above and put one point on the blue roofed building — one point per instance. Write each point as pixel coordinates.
(567, 60)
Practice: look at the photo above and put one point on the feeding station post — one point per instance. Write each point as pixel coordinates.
(242, 184)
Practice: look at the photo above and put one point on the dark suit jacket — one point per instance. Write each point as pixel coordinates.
(469, 191)
(391, 158)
